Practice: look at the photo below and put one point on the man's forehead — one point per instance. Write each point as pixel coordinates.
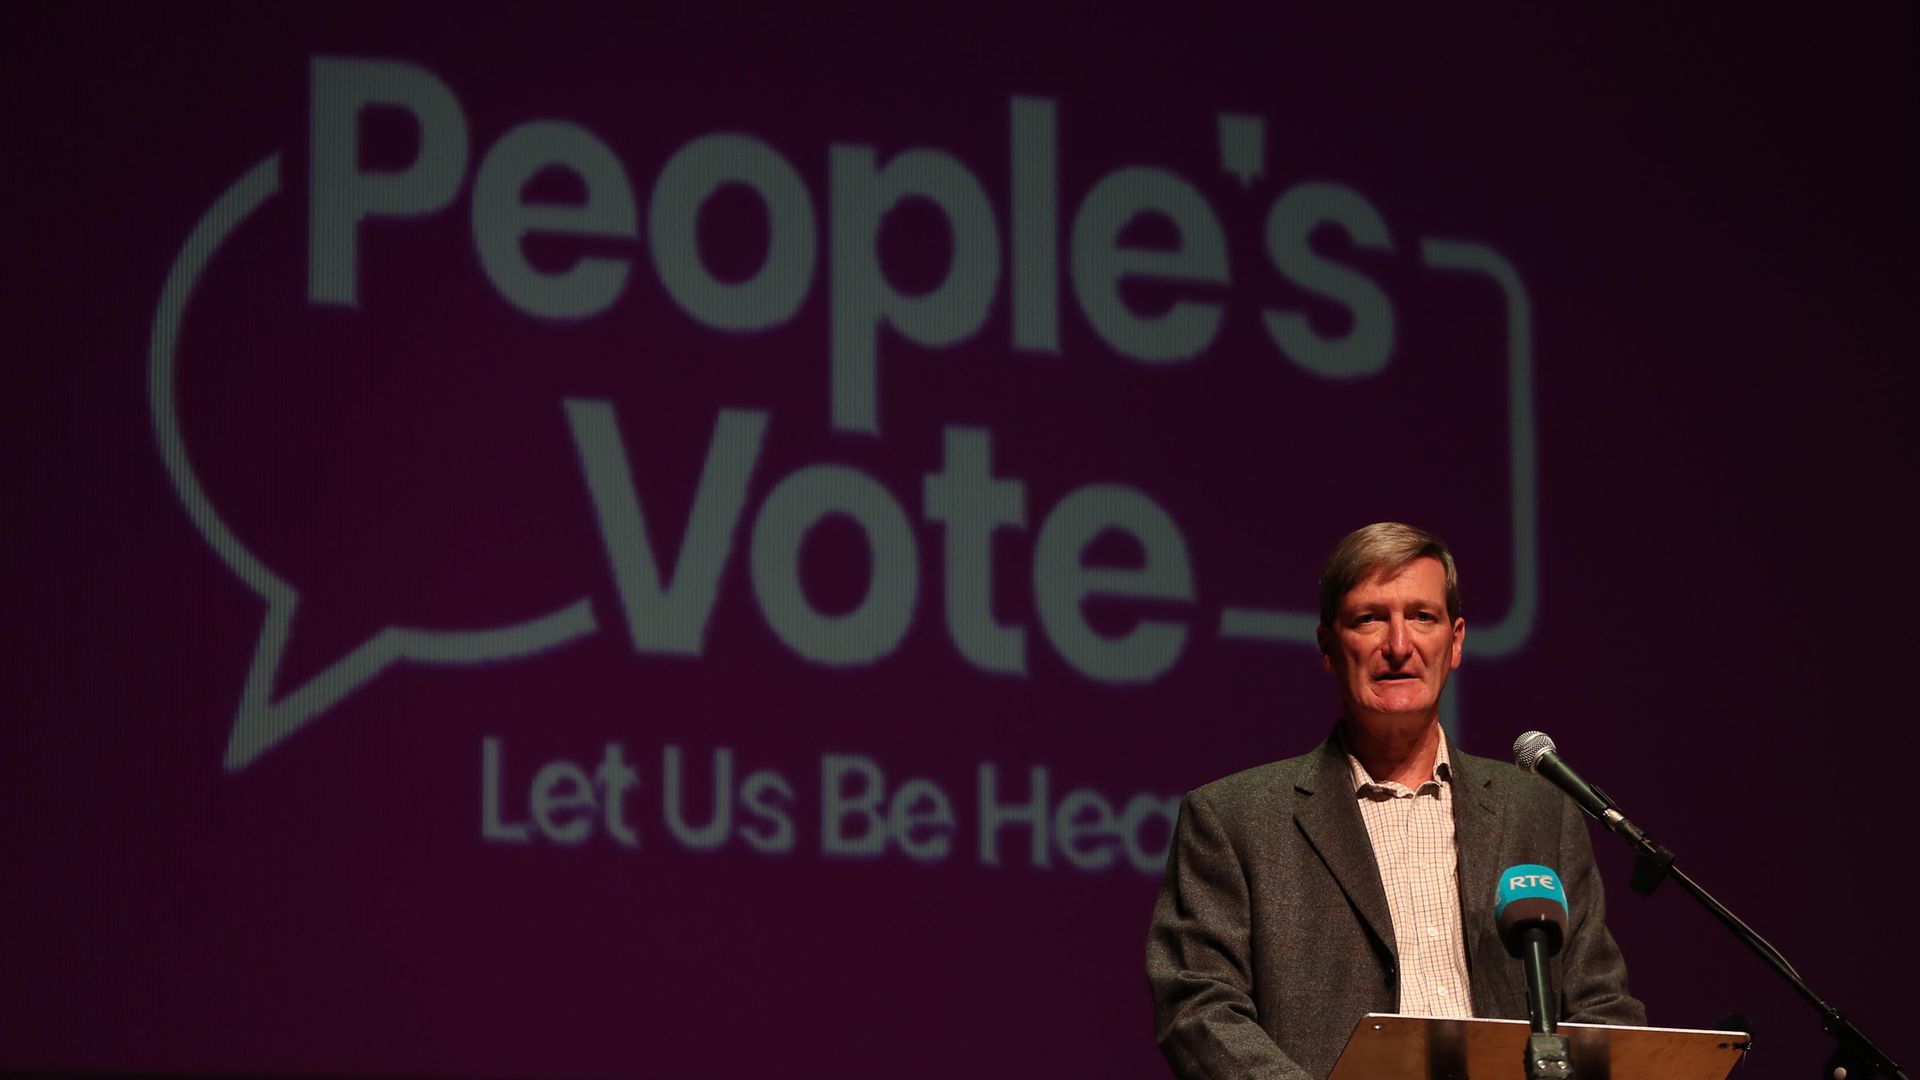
(1421, 576)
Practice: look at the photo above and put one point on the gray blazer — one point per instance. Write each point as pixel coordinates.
(1271, 936)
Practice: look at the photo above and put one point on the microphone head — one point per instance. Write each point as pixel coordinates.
(1528, 748)
(1527, 896)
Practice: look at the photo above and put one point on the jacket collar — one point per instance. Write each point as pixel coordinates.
(1480, 824)
(1329, 816)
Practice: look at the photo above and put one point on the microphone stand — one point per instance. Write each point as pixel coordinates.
(1855, 1057)
(1547, 1053)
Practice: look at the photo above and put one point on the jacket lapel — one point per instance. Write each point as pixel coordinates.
(1329, 816)
(1479, 830)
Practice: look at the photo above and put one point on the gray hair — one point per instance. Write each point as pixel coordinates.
(1383, 546)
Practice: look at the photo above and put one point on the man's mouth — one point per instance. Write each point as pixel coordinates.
(1395, 676)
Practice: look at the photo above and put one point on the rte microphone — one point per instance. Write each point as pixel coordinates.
(1529, 897)
(1535, 752)
(1531, 910)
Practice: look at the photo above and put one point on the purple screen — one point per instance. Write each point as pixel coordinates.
(577, 544)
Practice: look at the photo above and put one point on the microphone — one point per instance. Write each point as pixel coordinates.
(1529, 897)
(1531, 910)
(1535, 752)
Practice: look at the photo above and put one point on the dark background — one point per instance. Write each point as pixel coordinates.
(1713, 212)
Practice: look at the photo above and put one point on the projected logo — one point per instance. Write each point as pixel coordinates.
(667, 604)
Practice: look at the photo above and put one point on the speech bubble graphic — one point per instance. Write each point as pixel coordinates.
(262, 722)
(1462, 258)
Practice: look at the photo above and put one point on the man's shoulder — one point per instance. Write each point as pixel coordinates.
(1503, 778)
(1264, 785)
(1283, 783)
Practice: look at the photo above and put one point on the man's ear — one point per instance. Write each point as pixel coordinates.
(1324, 636)
(1459, 639)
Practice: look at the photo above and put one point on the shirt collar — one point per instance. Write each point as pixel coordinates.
(1363, 781)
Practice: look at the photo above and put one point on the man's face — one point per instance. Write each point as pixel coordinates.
(1391, 645)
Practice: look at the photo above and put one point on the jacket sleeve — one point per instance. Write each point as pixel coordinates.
(1593, 974)
(1199, 962)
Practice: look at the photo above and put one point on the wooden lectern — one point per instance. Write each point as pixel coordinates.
(1387, 1046)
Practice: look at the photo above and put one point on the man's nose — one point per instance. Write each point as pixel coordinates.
(1399, 646)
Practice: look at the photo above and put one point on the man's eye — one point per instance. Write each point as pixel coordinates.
(1424, 616)
(1362, 620)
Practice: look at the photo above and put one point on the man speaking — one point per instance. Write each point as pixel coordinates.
(1301, 895)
